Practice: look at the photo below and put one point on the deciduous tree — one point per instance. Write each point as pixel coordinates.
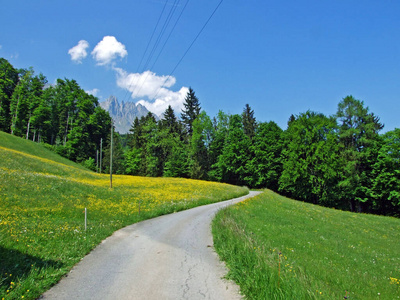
(385, 190)
(8, 82)
(311, 160)
(358, 134)
(235, 154)
(200, 141)
(265, 166)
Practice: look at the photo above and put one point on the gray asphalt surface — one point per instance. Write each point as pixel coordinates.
(169, 257)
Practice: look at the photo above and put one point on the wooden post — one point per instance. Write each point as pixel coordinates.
(279, 270)
(97, 161)
(85, 218)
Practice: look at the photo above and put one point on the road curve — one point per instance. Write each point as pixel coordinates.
(169, 257)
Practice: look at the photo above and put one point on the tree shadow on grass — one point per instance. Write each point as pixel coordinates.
(15, 264)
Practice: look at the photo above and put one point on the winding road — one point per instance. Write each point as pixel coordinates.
(169, 257)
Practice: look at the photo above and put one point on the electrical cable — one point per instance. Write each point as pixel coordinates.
(190, 46)
(135, 92)
(152, 34)
(148, 44)
(162, 48)
(166, 23)
(176, 22)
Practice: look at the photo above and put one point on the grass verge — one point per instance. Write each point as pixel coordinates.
(277, 248)
(42, 202)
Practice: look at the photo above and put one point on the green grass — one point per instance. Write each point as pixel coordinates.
(325, 253)
(42, 202)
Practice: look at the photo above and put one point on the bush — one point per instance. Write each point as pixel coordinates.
(89, 164)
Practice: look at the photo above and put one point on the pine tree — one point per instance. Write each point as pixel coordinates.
(292, 118)
(169, 121)
(249, 122)
(135, 134)
(191, 111)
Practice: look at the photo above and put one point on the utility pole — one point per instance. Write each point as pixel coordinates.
(101, 151)
(111, 155)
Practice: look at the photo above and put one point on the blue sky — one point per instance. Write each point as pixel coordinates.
(281, 57)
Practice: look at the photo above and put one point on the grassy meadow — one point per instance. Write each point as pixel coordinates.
(42, 201)
(277, 248)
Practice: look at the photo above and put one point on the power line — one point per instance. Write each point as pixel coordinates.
(187, 50)
(176, 22)
(162, 48)
(166, 23)
(148, 44)
(154, 30)
(150, 56)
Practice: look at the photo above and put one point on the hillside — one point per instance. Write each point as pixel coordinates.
(43, 198)
(278, 248)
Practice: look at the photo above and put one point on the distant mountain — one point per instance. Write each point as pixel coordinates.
(123, 113)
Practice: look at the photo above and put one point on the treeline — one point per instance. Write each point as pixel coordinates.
(339, 161)
(63, 116)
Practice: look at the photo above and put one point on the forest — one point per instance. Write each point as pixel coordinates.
(341, 161)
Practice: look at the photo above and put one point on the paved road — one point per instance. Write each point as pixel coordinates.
(169, 257)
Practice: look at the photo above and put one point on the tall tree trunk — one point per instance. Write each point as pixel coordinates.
(14, 120)
(28, 126)
(66, 130)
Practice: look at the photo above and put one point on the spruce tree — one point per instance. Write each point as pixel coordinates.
(169, 121)
(249, 122)
(191, 110)
(135, 139)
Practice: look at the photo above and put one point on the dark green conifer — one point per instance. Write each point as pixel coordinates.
(191, 110)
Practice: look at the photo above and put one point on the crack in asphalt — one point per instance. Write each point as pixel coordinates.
(187, 285)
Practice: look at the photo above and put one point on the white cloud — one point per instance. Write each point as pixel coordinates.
(175, 99)
(79, 51)
(150, 86)
(146, 84)
(93, 92)
(107, 50)
(153, 91)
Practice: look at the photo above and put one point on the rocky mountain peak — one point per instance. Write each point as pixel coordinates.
(123, 113)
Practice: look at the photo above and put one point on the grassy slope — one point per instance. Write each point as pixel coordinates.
(325, 253)
(42, 200)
